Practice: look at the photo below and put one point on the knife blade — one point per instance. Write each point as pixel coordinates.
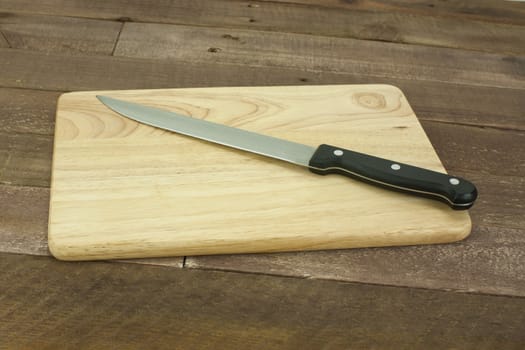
(455, 191)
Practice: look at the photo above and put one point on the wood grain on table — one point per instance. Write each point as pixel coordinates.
(461, 66)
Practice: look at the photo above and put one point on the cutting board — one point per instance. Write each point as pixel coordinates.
(121, 189)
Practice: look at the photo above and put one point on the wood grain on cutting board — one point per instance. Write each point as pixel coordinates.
(121, 189)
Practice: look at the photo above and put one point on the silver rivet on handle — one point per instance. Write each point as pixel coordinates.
(453, 181)
(395, 166)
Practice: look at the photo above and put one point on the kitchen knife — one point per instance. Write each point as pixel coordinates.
(457, 192)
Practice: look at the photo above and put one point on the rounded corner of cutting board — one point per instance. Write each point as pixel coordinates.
(58, 249)
(69, 95)
(458, 230)
(465, 230)
(55, 249)
(392, 87)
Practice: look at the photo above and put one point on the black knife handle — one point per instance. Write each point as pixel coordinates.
(458, 193)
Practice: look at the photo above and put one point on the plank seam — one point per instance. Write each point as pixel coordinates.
(118, 38)
(5, 38)
(289, 68)
(37, 88)
(11, 185)
(443, 290)
(355, 283)
(479, 126)
(24, 133)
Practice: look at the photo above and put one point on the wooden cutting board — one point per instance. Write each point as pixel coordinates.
(121, 189)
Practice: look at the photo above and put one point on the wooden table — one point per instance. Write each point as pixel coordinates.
(462, 68)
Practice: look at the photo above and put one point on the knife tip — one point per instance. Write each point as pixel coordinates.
(104, 99)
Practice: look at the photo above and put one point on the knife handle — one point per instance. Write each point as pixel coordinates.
(457, 192)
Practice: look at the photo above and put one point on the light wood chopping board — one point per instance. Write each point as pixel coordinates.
(121, 189)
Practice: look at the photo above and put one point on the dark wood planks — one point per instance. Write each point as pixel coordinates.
(51, 304)
(23, 217)
(481, 10)
(467, 105)
(476, 105)
(321, 54)
(56, 72)
(27, 111)
(25, 159)
(484, 150)
(369, 23)
(55, 34)
(3, 41)
(501, 202)
(493, 159)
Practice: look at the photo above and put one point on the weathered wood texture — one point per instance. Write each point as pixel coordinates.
(51, 304)
(25, 159)
(473, 105)
(27, 111)
(366, 23)
(470, 105)
(63, 35)
(482, 10)
(375, 59)
(23, 217)
(3, 41)
(98, 72)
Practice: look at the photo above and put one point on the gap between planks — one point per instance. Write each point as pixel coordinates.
(118, 38)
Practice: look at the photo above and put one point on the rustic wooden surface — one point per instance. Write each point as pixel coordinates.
(461, 66)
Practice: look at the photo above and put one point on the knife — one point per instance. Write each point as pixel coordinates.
(455, 191)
